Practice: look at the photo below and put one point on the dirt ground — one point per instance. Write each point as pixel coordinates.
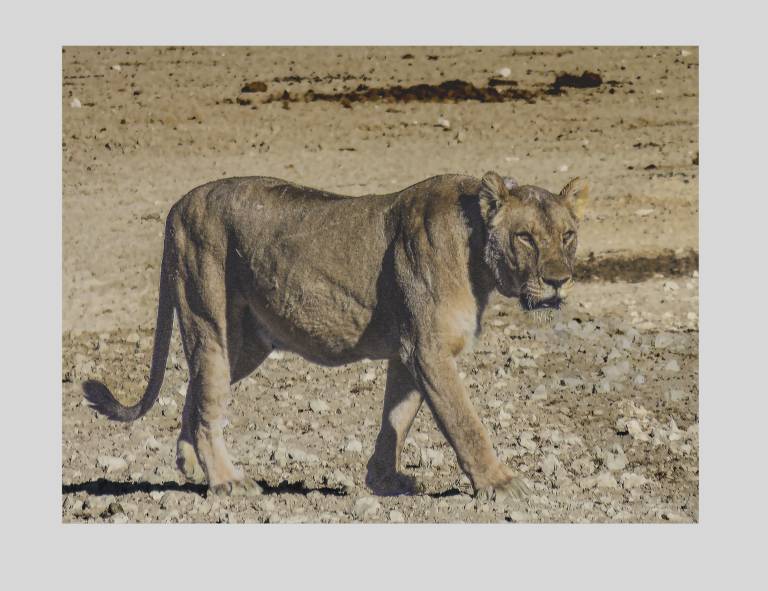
(599, 410)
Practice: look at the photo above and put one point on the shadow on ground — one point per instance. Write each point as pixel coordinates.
(103, 486)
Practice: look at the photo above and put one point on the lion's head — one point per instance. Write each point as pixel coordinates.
(532, 237)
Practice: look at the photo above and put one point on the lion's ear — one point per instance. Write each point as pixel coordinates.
(575, 194)
(493, 191)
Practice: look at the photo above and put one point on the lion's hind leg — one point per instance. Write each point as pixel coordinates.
(402, 401)
(202, 312)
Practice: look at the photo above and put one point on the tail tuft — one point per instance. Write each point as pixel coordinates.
(103, 401)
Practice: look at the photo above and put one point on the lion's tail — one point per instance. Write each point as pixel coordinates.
(99, 396)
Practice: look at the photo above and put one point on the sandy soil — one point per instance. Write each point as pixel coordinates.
(599, 410)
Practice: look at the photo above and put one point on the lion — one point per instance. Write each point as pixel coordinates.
(255, 264)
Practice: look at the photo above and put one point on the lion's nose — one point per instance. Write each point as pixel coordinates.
(556, 282)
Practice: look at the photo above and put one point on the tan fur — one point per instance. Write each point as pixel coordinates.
(256, 264)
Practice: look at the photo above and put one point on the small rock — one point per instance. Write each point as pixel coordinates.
(639, 379)
(156, 495)
(302, 457)
(111, 464)
(606, 480)
(319, 406)
(72, 506)
(354, 446)
(636, 431)
(151, 443)
(396, 517)
(435, 457)
(644, 212)
(75, 103)
(116, 67)
(504, 72)
(540, 393)
(280, 455)
(549, 465)
(615, 459)
(338, 478)
(672, 365)
(526, 440)
(516, 517)
(366, 507)
(573, 382)
(675, 395)
(276, 355)
(444, 123)
(563, 168)
(616, 371)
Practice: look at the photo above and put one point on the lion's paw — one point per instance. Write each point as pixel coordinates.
(186, 461)
(393, 484)
(243, 488)
(511, 488)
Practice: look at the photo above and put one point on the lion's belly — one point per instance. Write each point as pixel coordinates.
(326, 319)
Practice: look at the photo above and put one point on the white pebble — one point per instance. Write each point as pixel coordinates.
(644, 212)
(504, 72)
(549, 465)
(354, 446)
(444, 123)
(366, 507)
(319, 406)
(630, 480)
(116, 67)
(540, 393)
(526, 440)
(636, 431)
(606, 480)
(111, 464)
(75, 103)
(563, 168)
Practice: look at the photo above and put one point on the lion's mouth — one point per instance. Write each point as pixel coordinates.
(552, 303)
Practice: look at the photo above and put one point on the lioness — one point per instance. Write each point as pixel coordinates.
(256, 264)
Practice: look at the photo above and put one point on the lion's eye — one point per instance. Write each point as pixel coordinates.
(568, 237)
(525, 238)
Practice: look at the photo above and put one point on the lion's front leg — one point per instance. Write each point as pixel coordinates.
(402, 401)
(435, 373)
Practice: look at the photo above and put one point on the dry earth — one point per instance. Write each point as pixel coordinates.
(598, 410)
